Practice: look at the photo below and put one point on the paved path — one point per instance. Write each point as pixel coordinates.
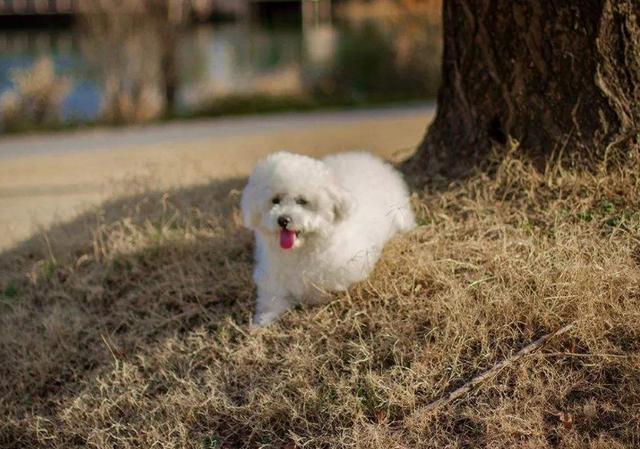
(44, 178)
(201, 129)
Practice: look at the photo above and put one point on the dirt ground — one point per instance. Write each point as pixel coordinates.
(46, 179)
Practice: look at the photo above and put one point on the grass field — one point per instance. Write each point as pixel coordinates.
(129, 326)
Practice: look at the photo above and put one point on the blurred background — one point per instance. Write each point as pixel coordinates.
(104, 99)
(70, 63)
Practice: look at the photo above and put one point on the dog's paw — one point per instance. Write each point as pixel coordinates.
(265, 319)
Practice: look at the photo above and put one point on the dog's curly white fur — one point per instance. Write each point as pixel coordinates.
(320, 225)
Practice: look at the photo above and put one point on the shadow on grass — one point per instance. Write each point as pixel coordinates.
(115, 280)
(127, 328)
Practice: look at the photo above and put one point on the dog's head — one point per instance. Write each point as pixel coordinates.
(292, 200)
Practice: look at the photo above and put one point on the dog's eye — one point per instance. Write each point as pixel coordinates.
(276, 200)
(302, 201)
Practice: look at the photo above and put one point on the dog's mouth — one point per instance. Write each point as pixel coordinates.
(288, 238)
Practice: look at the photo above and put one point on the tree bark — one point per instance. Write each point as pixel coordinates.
(169, 68)
(557, 76)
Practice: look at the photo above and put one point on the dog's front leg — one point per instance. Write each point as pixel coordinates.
(270, 305)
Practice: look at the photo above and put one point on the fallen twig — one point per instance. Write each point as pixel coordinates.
(492, 371)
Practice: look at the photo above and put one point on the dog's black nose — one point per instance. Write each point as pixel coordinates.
(283, 221)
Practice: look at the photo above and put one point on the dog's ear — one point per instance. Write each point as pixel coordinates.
(342, 202)
(249, 205)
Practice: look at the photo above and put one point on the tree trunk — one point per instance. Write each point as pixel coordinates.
(557, 76)
(169, 69)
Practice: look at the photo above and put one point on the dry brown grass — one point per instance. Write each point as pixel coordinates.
(128, 327)
(36, 97)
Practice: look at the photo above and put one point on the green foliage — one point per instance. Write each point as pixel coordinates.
(10, 291)
(212, 442)
(367, 68)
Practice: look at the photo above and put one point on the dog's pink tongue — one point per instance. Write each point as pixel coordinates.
(287, 239)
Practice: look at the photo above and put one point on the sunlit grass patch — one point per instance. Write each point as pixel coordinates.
(138, 336)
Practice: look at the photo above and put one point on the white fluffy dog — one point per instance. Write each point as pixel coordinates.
(320, 225)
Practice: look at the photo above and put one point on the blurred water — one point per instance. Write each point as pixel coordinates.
(20, 48)
(370, 61)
